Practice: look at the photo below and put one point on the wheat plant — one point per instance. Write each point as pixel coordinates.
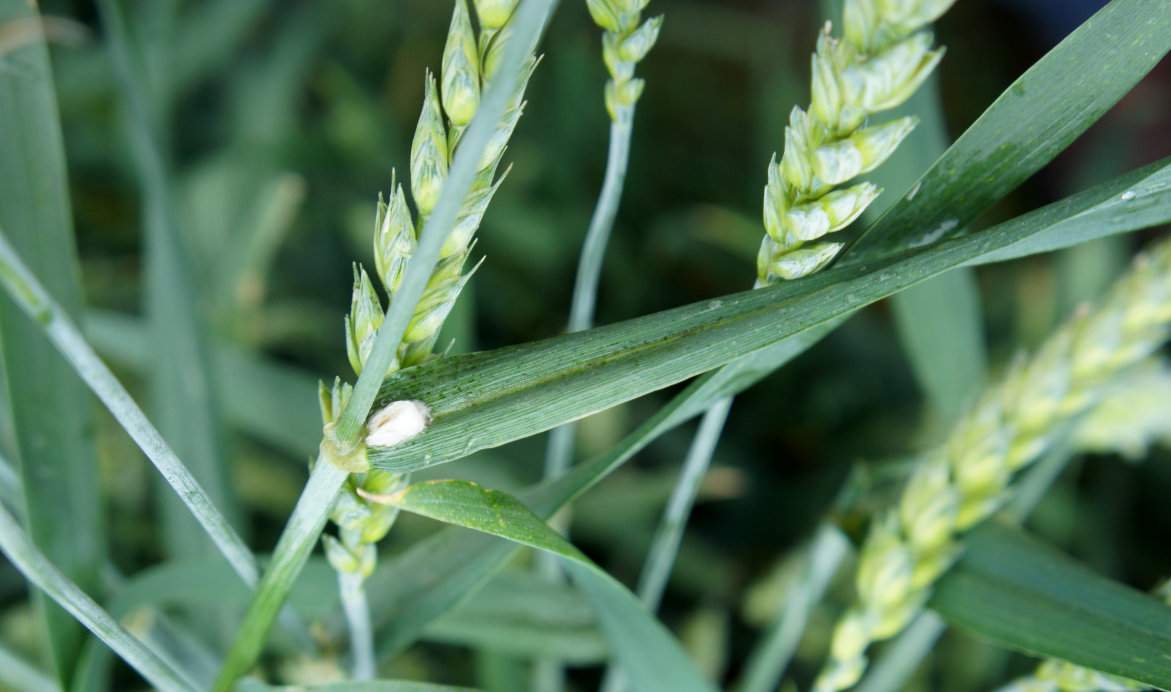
(242, 137)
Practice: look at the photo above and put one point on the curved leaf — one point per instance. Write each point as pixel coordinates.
(650, 657)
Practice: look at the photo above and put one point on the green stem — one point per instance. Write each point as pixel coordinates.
(768, 660)
(37, 568)
(559, 453)
(312, 510)
(589, 268)
(666, 543)
(34, 301)
(661, 557)
(358, 618)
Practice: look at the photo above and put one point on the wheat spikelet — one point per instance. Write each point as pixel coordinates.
(624, 44)
(449, 104)
(968, 478)
(881, 59)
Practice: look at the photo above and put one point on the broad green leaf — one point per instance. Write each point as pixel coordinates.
(51, 412)
(483, 400)
(650, 657)
(184, 400)
(411, 589)
(1024, 595)
(1035, 119)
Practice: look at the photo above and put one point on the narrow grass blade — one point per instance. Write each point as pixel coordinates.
(312, 509)
(51, 413)
(650, 657)
(64, 335)
(1035, 119)
(272, 401)
(1024, 595)
(37, 568)
(483, 400)
(183, 396)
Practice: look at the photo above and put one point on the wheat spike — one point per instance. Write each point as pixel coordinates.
(968, 479)
(882, 57)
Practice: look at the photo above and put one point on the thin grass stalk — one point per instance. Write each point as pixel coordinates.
(37, 569)
(625, 43)
(357, 613)
(660, 559)
(32, 298)
(342, 440)
(770, 658)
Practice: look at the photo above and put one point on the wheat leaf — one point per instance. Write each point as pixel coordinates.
(648, 654)
(1024, 595)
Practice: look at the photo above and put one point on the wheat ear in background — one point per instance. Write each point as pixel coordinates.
(882, 57)
(969, 478)
(449, 104)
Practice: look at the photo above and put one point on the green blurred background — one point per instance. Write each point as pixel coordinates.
(282, 122)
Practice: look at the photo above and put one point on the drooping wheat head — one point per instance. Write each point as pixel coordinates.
(882, 57)
(969, 477)
(449, 104)
(624, 44)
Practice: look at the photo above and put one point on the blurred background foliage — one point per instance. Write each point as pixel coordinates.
(281, 122)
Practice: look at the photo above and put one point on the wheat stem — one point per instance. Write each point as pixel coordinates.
(969, 479)
(625, 42)
(358, 618)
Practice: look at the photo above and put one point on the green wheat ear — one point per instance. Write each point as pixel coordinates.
(881, 59)
(969, 477)
(450, 101)
(624, 44)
